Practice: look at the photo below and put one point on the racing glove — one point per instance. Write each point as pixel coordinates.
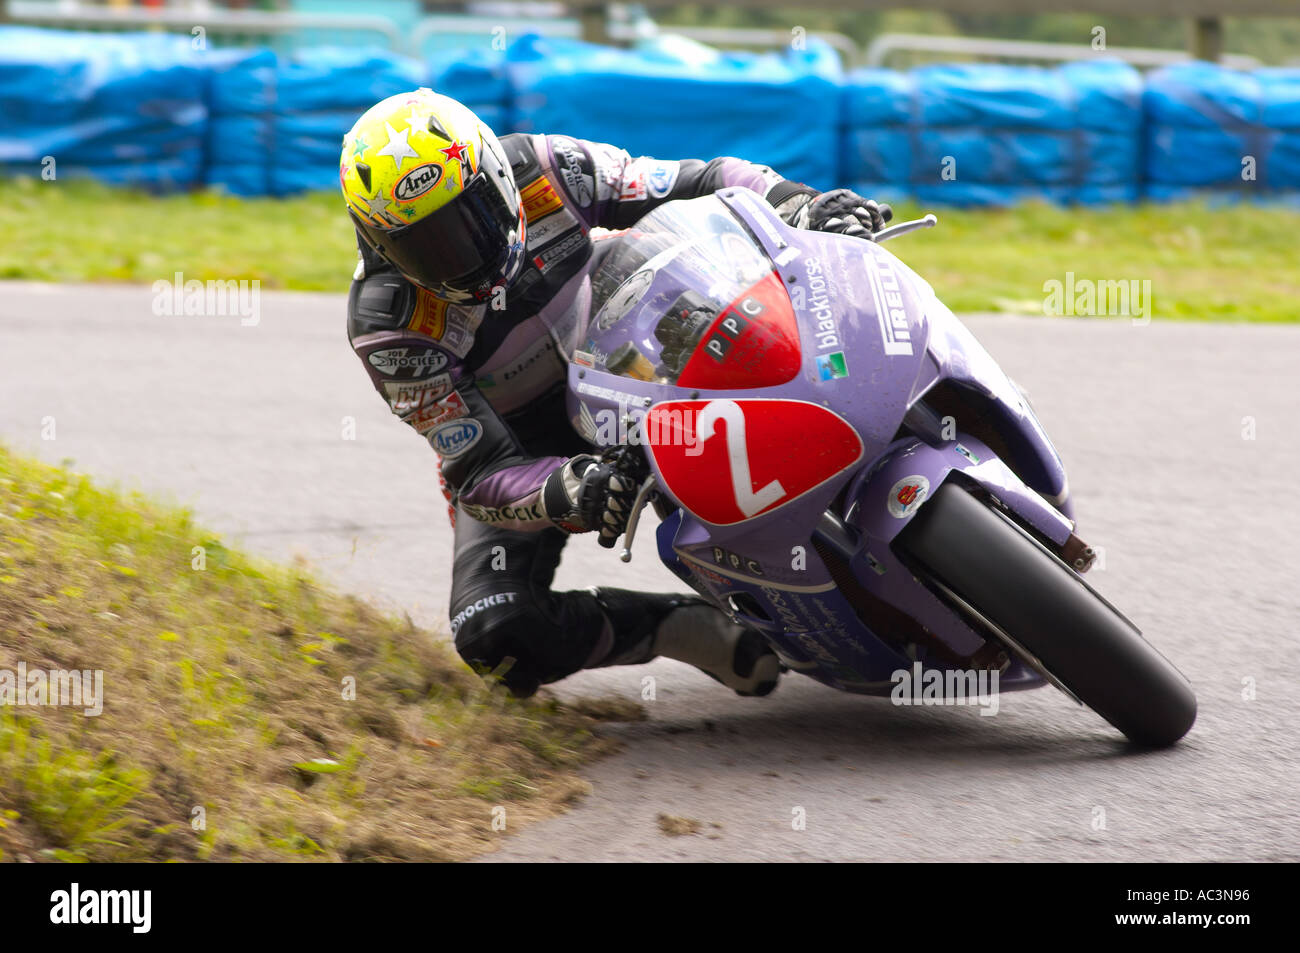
(845, 212)
(584, 494)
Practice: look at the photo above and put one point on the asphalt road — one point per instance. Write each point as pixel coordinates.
(1182, 445)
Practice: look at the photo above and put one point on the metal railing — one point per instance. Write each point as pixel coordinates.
(216, 22)
(888, 44)
(240, 25)
(485, 29)
(724, 36)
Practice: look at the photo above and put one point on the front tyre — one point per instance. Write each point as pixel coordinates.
(1049, 616)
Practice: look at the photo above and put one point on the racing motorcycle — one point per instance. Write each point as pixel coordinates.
(838, 464)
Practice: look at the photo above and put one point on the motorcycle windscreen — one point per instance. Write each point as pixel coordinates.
(688, 297)
(754, 342)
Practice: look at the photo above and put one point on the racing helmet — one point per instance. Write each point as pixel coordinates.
(430, 190)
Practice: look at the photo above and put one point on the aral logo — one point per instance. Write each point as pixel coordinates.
(662, 178)
(727, 461)
(453, 439)
(416, 182)
(407, 362)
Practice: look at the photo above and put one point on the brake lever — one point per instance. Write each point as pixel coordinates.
(643, 496)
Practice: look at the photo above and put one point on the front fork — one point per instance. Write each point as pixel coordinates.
(880, 503)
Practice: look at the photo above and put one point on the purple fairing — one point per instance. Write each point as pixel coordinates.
(879, 350)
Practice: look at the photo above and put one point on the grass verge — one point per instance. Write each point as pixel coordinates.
(1226, 263)
(247, 712)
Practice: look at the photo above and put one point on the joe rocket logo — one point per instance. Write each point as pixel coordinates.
(407, 362)
(575, 168)
(453, 439)
(416, 182)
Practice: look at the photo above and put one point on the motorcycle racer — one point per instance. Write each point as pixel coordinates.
(470, 295)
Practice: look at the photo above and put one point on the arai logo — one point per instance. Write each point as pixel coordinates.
(907, 494)
(453, 439)
(416, 182)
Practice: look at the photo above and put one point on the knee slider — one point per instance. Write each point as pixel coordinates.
(490, 630)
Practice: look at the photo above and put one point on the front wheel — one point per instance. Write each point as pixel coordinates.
(1048, 616)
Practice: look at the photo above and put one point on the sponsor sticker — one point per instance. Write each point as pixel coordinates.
(907, 494)
(551, 227)
(574, 167)
(404, 396)
(461, 325)
(725, 557)
(633, 190)
(481, 605)
(819, 305)
(454, 438)
(529, 513)
(832, 366)
(451, 326)
(540, 199)
(661, 178)
(891, 310)
(549, 257)
(430, 315)
(416, 182)
(451, 407)
(407, 362)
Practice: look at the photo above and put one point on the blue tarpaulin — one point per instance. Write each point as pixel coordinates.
(986, 134)
(684, 100)
(132, 108)
(278, 121)
(1222, 131)
(150, 110)
(478, 79)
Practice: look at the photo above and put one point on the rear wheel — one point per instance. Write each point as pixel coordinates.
(1030, 600)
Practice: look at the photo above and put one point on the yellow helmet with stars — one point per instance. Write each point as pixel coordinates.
(430, 189)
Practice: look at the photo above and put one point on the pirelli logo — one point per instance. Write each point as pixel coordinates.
(430, 315)
(540, 199)
(890, 308)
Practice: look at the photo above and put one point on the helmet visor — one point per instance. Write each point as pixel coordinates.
(459, 246)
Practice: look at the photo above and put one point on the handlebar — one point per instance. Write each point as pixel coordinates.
(902, 228)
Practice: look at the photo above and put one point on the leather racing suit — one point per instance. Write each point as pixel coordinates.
(485, 385)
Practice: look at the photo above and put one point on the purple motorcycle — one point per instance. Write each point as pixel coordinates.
(838, 464)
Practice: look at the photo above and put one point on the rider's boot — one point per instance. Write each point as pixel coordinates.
(688, 629)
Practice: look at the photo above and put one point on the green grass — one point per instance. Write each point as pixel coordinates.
(1230, 263)
(226, 730)
(1235, 263)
